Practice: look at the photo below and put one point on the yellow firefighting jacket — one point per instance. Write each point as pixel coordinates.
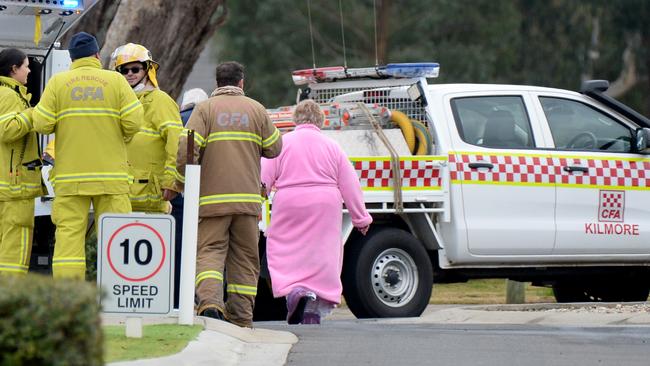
(152, 151)
(232, 133)
(92, 112)
(20, 172)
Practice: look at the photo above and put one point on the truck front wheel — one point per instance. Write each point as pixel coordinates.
(387, 274)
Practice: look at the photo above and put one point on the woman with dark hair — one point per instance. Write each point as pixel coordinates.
(20, 174)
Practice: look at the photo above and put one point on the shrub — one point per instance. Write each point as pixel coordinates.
(47, 322)
(91, 257)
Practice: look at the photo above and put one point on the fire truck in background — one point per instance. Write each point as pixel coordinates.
(35, 26)
(472, 181)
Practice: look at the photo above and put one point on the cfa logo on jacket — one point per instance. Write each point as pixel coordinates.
(87, 93)
(230, 119)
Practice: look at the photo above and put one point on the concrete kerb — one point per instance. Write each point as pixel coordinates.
(586, 314)
(220, 343)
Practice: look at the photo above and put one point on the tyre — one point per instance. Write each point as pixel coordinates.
(387, 274)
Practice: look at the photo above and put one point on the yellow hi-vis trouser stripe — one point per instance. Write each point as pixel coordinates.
(70, 215)
(242, 289)
(74, 267)
(24, 245)
(69, 261)
(208, 274)
(16, 227)
(13, 268)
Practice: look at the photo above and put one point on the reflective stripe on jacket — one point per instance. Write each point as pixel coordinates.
(92, 112)
(152, 151)
(232, 133)
(18, 144)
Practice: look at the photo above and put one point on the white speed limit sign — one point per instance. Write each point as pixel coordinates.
(135, 263)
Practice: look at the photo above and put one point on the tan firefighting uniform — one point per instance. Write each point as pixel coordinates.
(232, 133)
(152, 152)
(19, 184)
(93, 112)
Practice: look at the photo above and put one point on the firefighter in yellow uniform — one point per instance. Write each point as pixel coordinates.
(233, 132)
(20, 176)
(152, 151)
(93, 113)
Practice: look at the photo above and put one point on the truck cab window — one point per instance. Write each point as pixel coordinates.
(576, 126)
(495, 122)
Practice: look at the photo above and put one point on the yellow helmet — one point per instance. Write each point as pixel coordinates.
(132, 52)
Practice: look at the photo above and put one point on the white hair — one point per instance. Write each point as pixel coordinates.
(193, 96)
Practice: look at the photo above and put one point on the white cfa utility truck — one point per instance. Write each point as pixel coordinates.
(472, 181)
(34, 27)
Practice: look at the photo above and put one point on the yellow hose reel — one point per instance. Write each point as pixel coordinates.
(416, 134)
(424, 139)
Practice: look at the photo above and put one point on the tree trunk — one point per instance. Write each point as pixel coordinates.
(95, 22)
(174, 31)
(628, 76)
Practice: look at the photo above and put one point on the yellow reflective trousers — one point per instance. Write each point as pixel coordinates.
(16, 230)
(70, 215)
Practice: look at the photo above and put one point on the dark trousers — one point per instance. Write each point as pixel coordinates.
(177, 212)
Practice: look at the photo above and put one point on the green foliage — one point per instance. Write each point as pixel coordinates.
(538, 42)
(91, 257)
(47, 322)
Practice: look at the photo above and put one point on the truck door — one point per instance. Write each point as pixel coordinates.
(508, 198)
(602, 186)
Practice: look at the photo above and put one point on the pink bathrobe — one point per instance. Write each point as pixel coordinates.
(313, 176)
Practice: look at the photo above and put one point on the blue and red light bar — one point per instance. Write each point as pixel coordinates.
(400, 70)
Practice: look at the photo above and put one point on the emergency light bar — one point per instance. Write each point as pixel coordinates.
(51, 4)
(401, 70)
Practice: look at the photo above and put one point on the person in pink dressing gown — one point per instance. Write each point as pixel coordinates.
(312, 177)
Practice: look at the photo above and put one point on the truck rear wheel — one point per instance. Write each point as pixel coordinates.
(387, 274)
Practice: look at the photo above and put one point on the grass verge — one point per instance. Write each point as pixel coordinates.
(157, 341)
(492, 291)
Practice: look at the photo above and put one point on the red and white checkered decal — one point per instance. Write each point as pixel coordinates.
(612, 206)
(415, 174)
(533, 170)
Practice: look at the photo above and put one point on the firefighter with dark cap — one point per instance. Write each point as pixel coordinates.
(93, 114)
(152, 151)
(232, 133)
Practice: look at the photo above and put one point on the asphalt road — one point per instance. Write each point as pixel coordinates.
(371, 342)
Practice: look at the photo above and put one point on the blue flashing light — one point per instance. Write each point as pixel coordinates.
(401, 70)
(412, 70)
(71, 4)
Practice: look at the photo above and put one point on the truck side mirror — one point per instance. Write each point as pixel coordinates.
(642, 140)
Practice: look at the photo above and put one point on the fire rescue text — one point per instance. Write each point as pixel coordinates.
(131, 296)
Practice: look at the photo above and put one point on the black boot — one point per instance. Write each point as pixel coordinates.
(212, 313)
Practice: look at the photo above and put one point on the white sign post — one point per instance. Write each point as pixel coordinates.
(135, 260)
